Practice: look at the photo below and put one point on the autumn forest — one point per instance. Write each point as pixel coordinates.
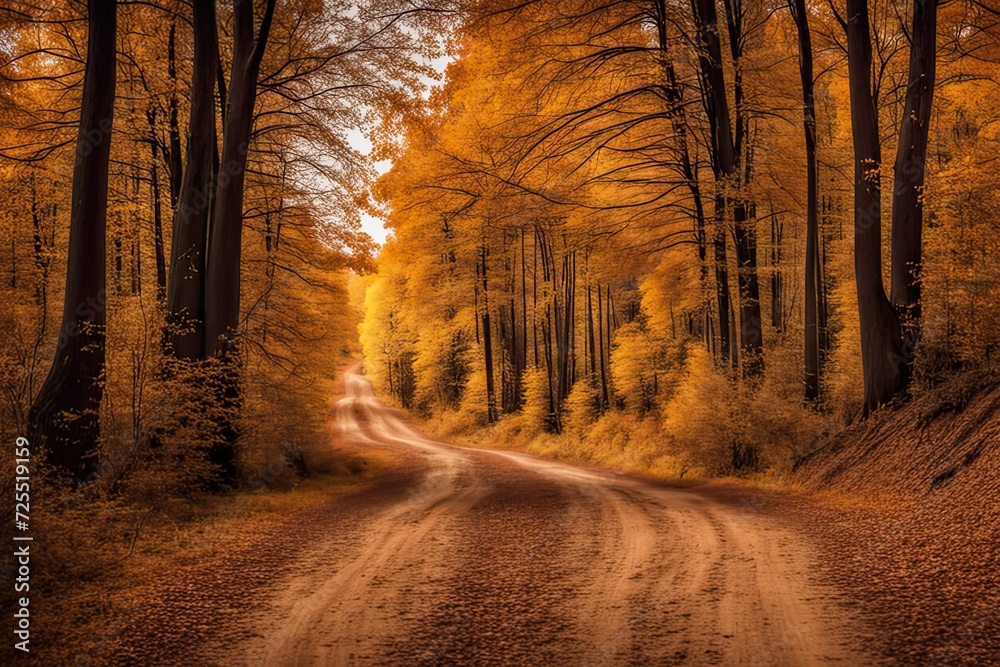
(743, 253)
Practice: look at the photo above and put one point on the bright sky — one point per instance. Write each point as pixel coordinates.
(376, 226)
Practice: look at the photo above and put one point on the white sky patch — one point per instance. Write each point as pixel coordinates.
(373, 226)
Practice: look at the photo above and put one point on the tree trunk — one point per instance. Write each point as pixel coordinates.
(173, 131)
(524, 315)
(223, 266)
(600, 344)
(222, 288)
(65, 417)
(722, 278)
(590, 335)
(777, 276)
(534, 296)
(723, 159)
(911, 157)
(744, 210)
(491, 400)
(161, 264)
(884, 374)
(751, 325)
(186, 289)
(812, 269)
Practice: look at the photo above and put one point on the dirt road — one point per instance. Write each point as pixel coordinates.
(500, 558)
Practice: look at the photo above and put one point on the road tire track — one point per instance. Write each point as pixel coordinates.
(500, 558)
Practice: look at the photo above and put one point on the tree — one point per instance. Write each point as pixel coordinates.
(65, 416)
(744, 210)
(222, 283)
(723, 159)
(908, 183)
(881, 343)
(186, 291)
(813, 282)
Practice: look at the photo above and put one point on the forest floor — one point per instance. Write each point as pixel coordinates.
(908, 507)
(406, 550)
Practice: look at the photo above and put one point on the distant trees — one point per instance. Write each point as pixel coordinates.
(639, 143)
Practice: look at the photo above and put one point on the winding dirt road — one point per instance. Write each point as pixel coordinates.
(492, 557)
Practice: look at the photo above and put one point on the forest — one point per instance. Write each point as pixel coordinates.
(683, 239)
(667, 224)
(198, 127)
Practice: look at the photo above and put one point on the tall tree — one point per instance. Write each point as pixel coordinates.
(713, 84)
(813, 284)
(744, 210)
(911, 160)
(881, 344)
(174, 152)
(154, 182)
(222, 280)
(186, 290)
(65, 415)
(222, 287)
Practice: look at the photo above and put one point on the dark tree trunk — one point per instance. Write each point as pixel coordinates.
(42, 260)
(222, 289)
(590, 335)
(65, 417)
(186, 289)
(491, 399)
(223, 265)
(222, 274)
(220, 81)
(812, 268)
(549, 283)
(161, 266)
(751, 326)
(777, 275)
(722, 278)
(559, 330)
(710, 60)
(600, 352)
(118, 264)
(674, 94)
(744, 210)
(884, 369)
(723, 159)
(534, 296)
(524, 313)
(733, 342)
(825, 339)
(568, 366)
(176, 166)
(911, 157)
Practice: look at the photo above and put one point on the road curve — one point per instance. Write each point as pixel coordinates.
(499, 558)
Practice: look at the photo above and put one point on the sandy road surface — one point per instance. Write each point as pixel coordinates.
(500, 558)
